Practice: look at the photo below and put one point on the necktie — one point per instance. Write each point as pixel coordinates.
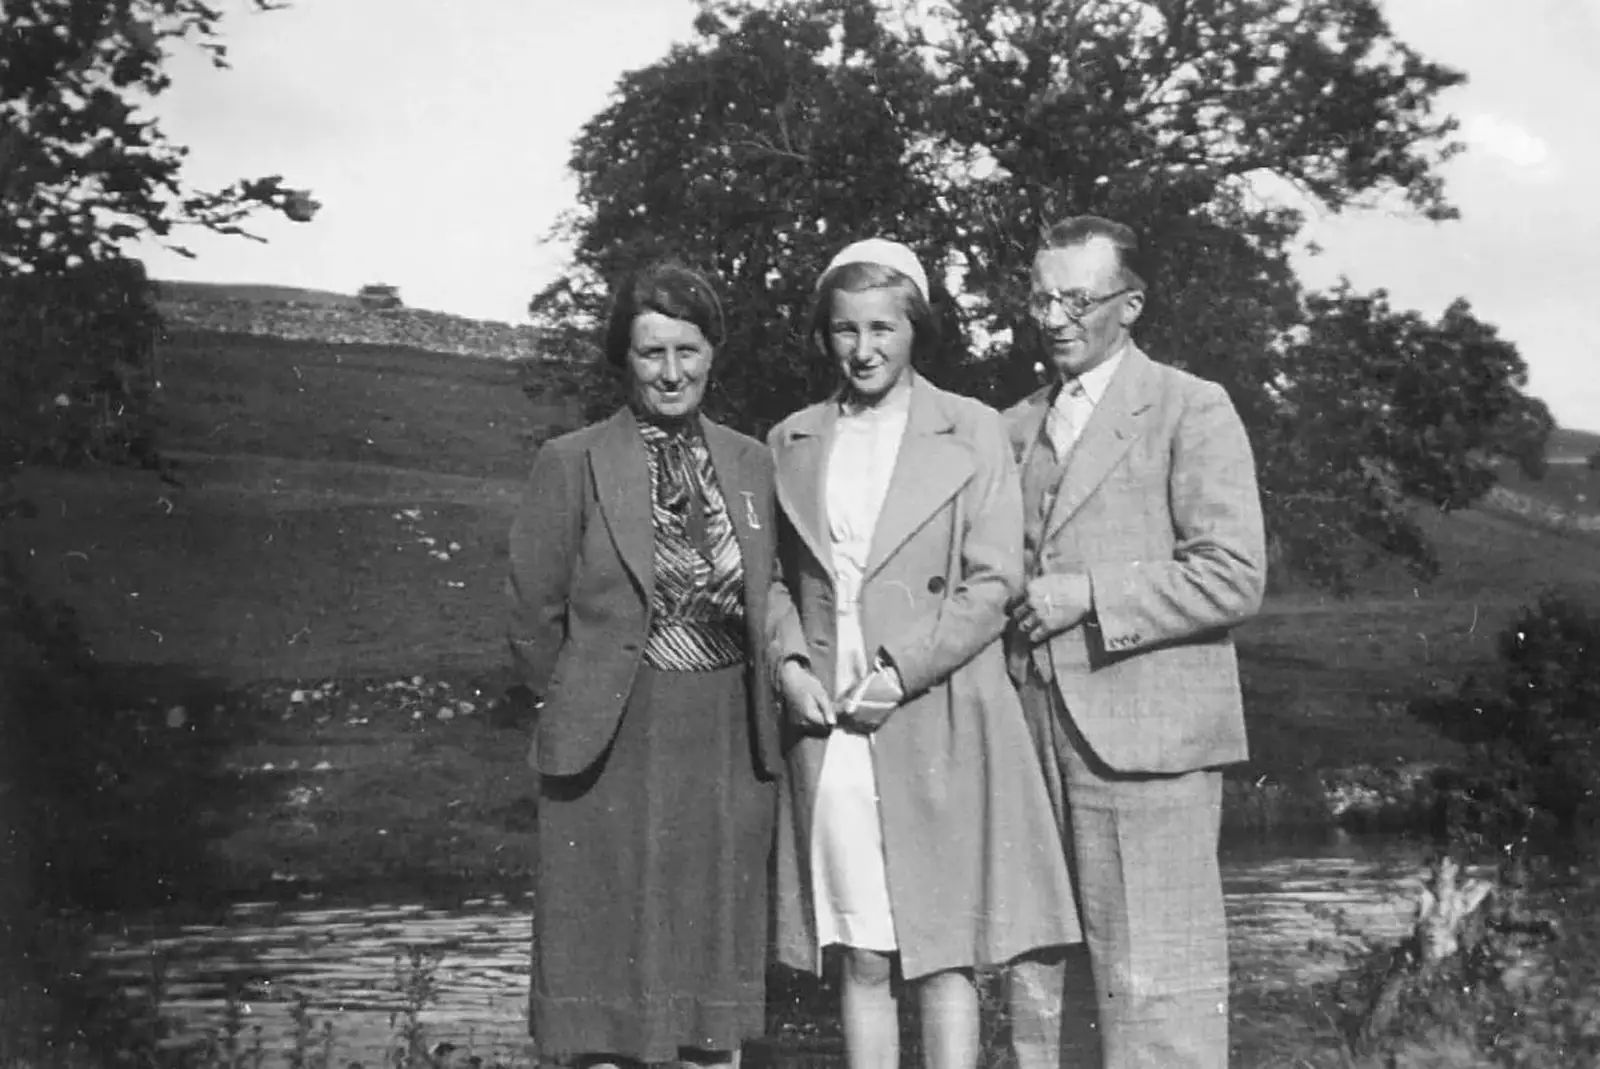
(686, 492)
(1066, 417)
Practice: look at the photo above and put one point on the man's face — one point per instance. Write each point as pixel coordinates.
(1082, 305)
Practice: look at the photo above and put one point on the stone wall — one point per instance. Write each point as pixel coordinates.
(1542, 513)
(433, 332)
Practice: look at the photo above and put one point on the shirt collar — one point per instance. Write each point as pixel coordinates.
(1097, 379)
(896, 406)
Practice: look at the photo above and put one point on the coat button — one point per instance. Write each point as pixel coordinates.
(936, 585)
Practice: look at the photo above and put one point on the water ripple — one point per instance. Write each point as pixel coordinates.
(344, 959)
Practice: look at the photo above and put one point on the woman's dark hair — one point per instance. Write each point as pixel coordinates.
(856, 277)
(670, 289)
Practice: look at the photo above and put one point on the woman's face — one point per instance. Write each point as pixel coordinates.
(871, 337)
(669, 361)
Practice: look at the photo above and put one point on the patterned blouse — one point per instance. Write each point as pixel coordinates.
(697, 619)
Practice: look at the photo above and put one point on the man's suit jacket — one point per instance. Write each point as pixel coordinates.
(1158, 506)
(582, 573)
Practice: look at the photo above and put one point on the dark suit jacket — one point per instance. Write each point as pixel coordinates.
(582, 572)
(1158, 506)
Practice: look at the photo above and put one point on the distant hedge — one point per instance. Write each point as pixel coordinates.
(78, 369)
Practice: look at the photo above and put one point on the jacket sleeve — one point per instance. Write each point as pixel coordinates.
(1217, 574)
(973, 613)
(543, 550)
(784, 632)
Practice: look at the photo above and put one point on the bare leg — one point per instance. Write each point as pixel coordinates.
(871, 1018)
(949, 1005)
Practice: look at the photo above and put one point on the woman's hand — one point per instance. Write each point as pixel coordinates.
(807, 699)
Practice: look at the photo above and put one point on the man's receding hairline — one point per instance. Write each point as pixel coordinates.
(1085, 242)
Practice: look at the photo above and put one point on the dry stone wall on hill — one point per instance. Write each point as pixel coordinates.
(1542, 513)
(433, 332)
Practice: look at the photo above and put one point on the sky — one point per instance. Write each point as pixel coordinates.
(438, 144)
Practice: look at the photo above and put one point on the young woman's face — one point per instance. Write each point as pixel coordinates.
(669, 362)
(871, 337)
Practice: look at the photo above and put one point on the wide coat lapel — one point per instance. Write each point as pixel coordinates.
(801, 456)
(742, 481)
(932, 466)
(622, 486)
(1025, 423)
(1109, 435)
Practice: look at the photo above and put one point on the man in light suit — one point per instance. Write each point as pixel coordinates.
(1144, 548)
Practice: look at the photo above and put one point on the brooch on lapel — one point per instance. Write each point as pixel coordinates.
(750, 510)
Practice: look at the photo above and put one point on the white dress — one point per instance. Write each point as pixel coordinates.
(847, 860)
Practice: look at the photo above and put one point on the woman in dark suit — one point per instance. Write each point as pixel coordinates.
(640, 563)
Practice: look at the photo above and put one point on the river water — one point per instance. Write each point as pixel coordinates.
(343, 957)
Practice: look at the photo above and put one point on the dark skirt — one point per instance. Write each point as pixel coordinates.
(650, 928)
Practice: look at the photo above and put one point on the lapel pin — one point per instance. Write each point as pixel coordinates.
(750, 510)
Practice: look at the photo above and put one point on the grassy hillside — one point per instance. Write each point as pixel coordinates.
(293, 548)
(313, 476)
(1570, 444)
(340, 530)
(1571, 487)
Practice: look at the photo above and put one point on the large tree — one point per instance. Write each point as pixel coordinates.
(1379, 408)
(724, 155)
(785, 128)
(83, 168)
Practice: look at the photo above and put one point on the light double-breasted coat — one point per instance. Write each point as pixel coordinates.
(975, 867)
(583, 571)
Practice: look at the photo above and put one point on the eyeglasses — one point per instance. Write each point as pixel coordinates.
(1075, 303)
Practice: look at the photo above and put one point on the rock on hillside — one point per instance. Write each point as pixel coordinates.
(433, 332)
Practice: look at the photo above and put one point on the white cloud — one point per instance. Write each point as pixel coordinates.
(1525, 152)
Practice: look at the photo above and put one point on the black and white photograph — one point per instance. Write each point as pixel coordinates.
(799, 534)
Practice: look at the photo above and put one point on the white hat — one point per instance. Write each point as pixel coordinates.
(885, 253)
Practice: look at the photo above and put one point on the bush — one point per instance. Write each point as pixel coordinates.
(1535, 727)
(378, 296)
(78, 373)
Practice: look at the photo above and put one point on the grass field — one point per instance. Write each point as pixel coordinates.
(1567, 443)
(1569, 485)
(341, 520)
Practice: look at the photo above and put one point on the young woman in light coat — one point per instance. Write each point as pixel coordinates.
(916, 831)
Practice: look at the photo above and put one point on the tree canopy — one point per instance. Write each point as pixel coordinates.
(785, 129)
(83, 169)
